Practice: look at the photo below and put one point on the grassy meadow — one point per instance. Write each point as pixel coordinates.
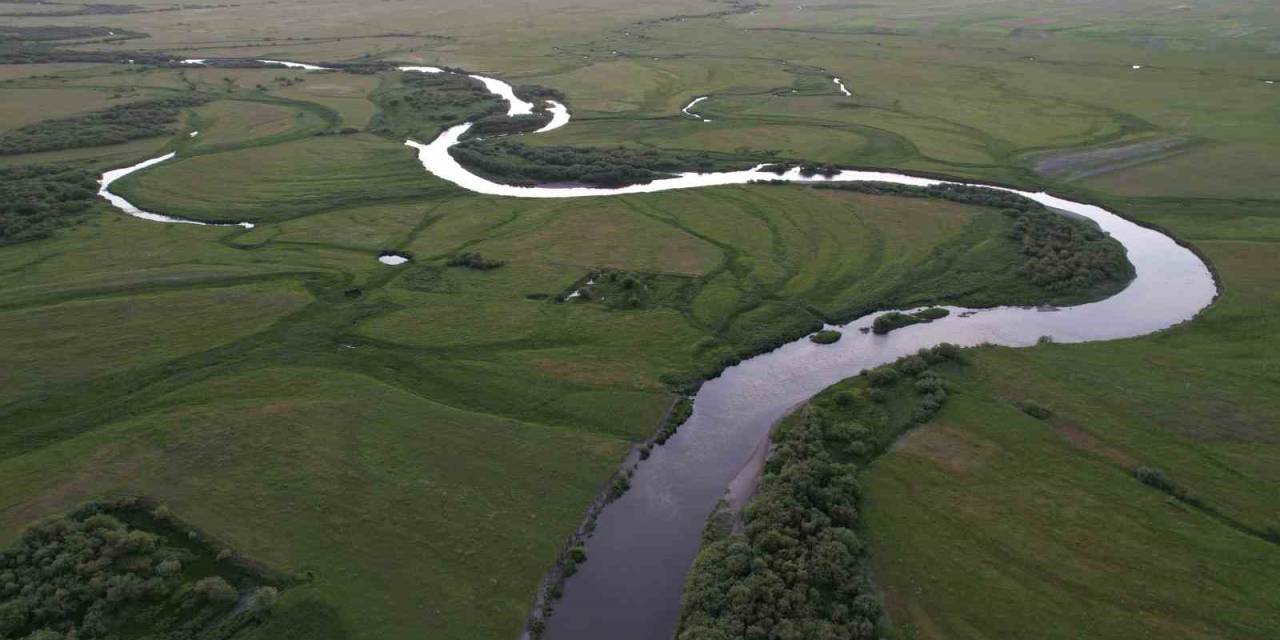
(420, 440)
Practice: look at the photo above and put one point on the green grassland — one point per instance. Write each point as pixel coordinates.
(422, 439)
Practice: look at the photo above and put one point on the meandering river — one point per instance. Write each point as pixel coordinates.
(645, 542)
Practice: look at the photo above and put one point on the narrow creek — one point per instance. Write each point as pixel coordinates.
(645, 541)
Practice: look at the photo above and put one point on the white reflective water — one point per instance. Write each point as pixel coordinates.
(694, 102)
(516, 106)
(104, 184)
(392, 259)
(421, 69)
(497, 87)
(284, 63)
(840, 84)
(296, 65)
(559, 117)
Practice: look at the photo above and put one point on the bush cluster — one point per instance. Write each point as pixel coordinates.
(113, 125)
(36, 200)
(516, 162)
(427, 103)
(798, 571)
(94, 575)
(826, 337)
(896, 319)
(11, 34)
(1063, 255)
(679, 415)
(475, 261)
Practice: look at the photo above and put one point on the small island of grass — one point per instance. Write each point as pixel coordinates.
(897, 319)
(826, 337)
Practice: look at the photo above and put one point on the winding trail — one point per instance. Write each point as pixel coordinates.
(644, 543)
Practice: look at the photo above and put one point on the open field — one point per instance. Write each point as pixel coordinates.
(1048, 512)
(423, 438)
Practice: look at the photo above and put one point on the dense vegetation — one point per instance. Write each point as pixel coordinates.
(1064, 255)
(120, 571)
(113, 125)
(514, 162)
(47, 33)
(474, 261)
(36, 200)
(826, 337)
(424, 104)
(796, 572)
(630, 290)
(896, 319)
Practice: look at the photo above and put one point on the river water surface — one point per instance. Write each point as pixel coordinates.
(645, 542)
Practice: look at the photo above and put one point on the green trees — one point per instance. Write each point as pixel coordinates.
(1062, 255)
(113, 125)
(797, 571)
(1065, 255)
(427, 103)
(36, 200)
(475, 261)
(515, 162)
(97, 574)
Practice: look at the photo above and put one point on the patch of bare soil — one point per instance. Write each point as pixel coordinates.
(1075, 164)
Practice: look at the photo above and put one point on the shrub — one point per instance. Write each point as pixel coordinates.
(262, 600)
(113, 125)
(893, 320)
(883, 376)
(933, 313)
(37, 200)
(620, 486)
(911, 365)
(1035, 409)
(1157, 479)
(472, 260)
(928, 384)
(215, 589)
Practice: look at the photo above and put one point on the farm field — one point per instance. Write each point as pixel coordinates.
(413, 445)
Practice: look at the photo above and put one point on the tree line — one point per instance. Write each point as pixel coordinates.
(112, 125)
(118, 570)
(1063, 255)
(36, 200)
(797, 570)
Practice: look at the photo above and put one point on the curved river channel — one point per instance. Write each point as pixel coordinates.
(645, 541)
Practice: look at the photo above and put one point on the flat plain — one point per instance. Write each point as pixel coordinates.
(421, 440)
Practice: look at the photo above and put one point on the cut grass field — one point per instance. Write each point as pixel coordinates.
(423, 438)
